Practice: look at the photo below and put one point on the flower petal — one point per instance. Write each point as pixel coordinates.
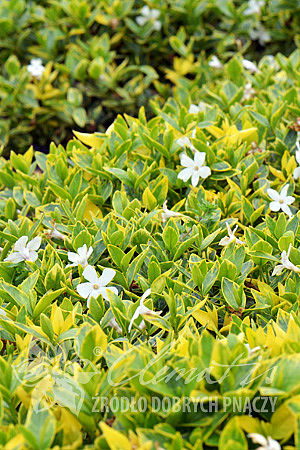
(35, 243)
(145, 295)
(289, 199)
(195, 178)
(283, 192)
(33, 256)
(107, 276)
(275, 206)
(90, 274)
(204, 172)
(273, 195)
(199, 158)
(20, 243)
(286, 209)
(85, 289)
(15, 258)
(186, 161)
(296, 173)
(185, 174)
(73, 257)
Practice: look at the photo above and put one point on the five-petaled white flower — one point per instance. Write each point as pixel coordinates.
(231, 237)
(281, 201)
(81, 257)
(149, 15)
(167, 213)
(142, 310)
(195, 109)
(36, 67)
(23, 251)
(186, 142)
(194, 168)
(296, 173)
(285, 263)
(96, 285)
(254, 7)
(265, 443)
(260, 34)
(249, 65)
(215, 63)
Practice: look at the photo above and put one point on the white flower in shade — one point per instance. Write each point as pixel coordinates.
(254, 7)
(265, 443)
(186, 142)
(81, 257)
(285, 263)
(215, 63)
(114, 324)
(149, 15)
(231, 237)
(54, 233)
(23, 251)
(194, 168)
(142, 310)
(296, 173)
(249, 65)
(195, 109)
(249, 92)
(281, 201)
(168, 213)
(260, 34)
(96, 285)
(36, 67)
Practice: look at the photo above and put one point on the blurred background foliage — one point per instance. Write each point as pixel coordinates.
(100, 60)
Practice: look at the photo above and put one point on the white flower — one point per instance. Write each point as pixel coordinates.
(195, 109)
(186, 142)
(114, 324)
(149, 15)
(265, 443)
(81, 257)
(1, 249)
(215, 63)
(168, 213)
(285, 263)
(296, 173)
(260, 34)
(254, 7)
(249, 92)
(194, 168)
(142, 310)
(231, 237)
(249, 65)
(281, 201)
(55, 234)
(96, 285)
(36, 67)
(251, 350)
(23, 252)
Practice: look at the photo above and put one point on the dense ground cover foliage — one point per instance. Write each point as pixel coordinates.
(150, 271)
(95, 59)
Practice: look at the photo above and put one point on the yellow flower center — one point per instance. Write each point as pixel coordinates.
(196, 167)
(281, 201)
(96, 286)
